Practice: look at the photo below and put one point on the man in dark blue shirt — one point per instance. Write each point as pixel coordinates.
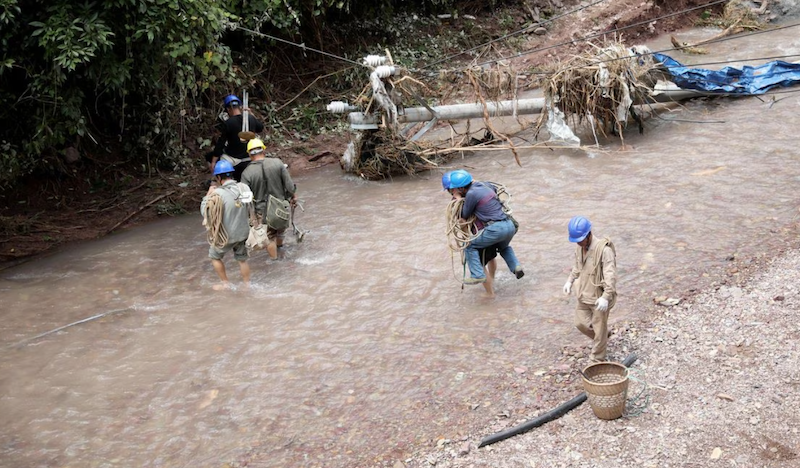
(229, 143)
(496, 228)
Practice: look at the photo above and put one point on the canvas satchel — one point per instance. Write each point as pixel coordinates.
(278, 213)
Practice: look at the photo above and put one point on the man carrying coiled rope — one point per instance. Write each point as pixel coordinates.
(487, 255)
(495, 226)
(595, 270)
(225, 216)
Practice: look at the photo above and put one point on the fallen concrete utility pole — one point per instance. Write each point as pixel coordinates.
(362, 121)
(383, 144)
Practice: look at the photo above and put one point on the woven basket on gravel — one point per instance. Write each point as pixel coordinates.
(606, 385)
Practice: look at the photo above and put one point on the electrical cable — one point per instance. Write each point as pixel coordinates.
(459, 231)
(724, 62)
(604, 33)
(216, 234)
(302, 46)
(540, 23)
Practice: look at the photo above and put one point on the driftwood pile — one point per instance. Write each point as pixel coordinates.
(600, 85)
(382, 153)
(737, 17)
(389, 151)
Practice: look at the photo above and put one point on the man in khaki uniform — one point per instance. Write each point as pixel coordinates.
(268, 176)
(595, 270)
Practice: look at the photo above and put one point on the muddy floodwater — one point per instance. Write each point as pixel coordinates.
(359, 345)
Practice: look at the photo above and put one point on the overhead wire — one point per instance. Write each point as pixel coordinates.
(584, 38)
(304, 47)
(604, 33)
(715, 41)
(301, 46)
(718, 40)
(515, 33)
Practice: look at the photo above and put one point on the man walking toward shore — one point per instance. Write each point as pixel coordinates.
(495, 226)
(594, 273)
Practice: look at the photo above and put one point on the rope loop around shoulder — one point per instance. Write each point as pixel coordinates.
(216, 234)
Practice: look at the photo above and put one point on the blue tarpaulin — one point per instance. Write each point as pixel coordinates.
(731, 80)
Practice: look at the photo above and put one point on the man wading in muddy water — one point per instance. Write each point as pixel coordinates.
(268, 178)
(487, 255)
(595, 270)
(496, 228)
(225, 216)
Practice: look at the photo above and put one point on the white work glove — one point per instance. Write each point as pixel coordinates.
(568, 287)
(601, 304)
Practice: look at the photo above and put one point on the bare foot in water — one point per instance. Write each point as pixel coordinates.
(245, 286)
(221, 286)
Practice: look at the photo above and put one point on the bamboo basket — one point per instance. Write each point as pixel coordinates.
(606, 385)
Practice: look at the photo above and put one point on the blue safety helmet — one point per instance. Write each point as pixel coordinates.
(231, 100)
(579, 227)
(446, 181)
(460, 178)
(223, 167)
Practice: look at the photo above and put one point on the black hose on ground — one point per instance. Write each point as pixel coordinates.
(547, 417)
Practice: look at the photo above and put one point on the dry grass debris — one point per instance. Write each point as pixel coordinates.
(602, 82)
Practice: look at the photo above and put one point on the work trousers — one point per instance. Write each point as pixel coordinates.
(498, 233)
(593, 324)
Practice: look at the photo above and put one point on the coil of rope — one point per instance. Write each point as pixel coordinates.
(212, 220)
(459, 231)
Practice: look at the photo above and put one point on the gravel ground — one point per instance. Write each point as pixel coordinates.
(722, 374)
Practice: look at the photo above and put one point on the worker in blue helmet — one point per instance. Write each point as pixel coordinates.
(495, 227)
(446, 181)
(487, 255)
(225, 210)
(228, 145)
(594, 276)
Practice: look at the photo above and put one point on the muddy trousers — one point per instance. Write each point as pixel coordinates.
(593, 324)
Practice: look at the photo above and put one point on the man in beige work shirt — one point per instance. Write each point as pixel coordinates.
(595, 270)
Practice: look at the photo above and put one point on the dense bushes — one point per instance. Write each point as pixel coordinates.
(133, 73)
(75, 74)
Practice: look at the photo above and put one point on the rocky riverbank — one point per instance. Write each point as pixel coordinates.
(719, 376)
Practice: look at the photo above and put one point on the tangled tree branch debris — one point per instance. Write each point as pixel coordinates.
(737, 17)
(389, 151)
(601, 83)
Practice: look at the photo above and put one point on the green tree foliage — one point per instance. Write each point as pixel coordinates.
(72, 72)
(85, 73)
